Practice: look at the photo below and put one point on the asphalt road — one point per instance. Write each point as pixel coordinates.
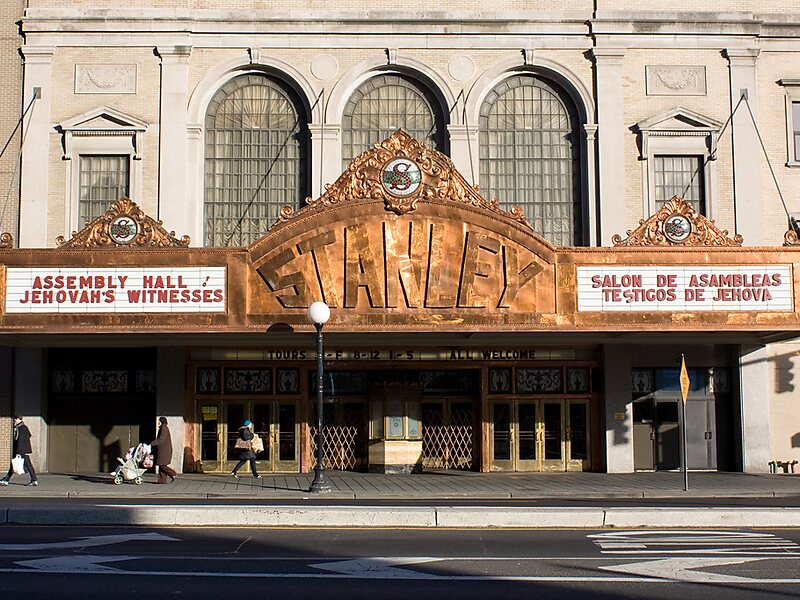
(38, 562)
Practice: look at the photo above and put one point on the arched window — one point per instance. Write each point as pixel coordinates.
(529, 156)
(255, 158)
(382, 105)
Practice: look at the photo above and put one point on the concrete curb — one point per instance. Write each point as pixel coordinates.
(400, 517)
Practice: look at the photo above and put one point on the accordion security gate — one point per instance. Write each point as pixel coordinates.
(447, 438)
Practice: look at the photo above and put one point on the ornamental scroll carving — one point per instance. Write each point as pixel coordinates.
(400, 171)
(677, 224)
(6, 241)
(123, 225)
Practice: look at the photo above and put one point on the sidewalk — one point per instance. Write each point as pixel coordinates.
(434, 485)
(435, 499)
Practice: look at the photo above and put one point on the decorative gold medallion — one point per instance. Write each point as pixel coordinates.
(123, 230)
(401, 177)
(677, 228)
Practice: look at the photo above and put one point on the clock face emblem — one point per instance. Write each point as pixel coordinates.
(677, 228)
(123, 229)
(401, 177)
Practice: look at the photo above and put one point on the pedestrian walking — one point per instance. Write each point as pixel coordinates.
(245, 443)
(22, 447)
(163, 446)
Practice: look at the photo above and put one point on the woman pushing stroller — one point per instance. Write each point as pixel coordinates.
(249, 443)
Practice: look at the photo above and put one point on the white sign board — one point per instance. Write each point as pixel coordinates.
(41, 290)
(677, 288)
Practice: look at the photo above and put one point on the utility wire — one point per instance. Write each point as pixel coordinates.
(269, 169)
(713, 151)
(469, 140)
(11, 137)
(15, 172)
(792, 221)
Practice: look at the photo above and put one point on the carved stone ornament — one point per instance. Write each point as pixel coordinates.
(790, 238)
(401, 171)
(677, 224)
(6, 241)
(124, 225)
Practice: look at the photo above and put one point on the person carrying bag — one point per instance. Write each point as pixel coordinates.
(249, 443)
(21, 463)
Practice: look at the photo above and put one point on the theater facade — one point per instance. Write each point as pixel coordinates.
(459, 338)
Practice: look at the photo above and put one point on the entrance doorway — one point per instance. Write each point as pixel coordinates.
(539, 435)
(274, 421)
(447, 434)
(656, 422)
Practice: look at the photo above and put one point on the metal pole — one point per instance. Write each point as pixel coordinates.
(320, 484)
(684, 456)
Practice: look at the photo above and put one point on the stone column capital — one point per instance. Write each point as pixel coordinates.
(744, 57)
(174, 53)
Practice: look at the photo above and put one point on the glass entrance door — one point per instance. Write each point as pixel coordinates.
(274, 421)
(540, 435)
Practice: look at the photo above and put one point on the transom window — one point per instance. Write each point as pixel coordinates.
(681, 176)
(255, 159)
(384, 104)
(529, 156)
(103, 180)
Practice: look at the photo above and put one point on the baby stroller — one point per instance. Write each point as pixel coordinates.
(134, 465)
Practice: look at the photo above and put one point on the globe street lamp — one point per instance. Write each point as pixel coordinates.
(318, 314)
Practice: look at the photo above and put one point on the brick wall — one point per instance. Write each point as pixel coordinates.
(10, 102)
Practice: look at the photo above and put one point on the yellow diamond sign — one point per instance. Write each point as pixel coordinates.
(684, 380)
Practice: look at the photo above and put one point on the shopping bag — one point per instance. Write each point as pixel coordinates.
(257, 444)
(242, 444)
(18, 464)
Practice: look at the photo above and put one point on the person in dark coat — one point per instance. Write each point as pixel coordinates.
(22, 446)
(163, 445)
(246, 434)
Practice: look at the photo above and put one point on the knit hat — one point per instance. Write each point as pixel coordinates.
(248, 423)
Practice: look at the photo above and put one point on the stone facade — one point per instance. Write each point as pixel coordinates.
(152, 70)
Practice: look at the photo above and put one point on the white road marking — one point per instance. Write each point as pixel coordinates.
(704, 543)
(379, 568)
(95, 540)
(77, 563)
(680, 569)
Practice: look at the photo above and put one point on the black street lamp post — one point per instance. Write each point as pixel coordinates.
(318, 314)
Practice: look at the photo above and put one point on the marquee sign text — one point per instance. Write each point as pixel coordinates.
(676, 288)
(145, 290)
(411, 264)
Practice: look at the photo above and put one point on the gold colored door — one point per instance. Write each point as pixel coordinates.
(577, 435)
(211, 447)
(540, 435)
(527, 433)
(501, 431)
(552, 442)
(285, 439)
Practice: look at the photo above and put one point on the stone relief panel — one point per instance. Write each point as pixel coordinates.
(675, 80)
(105, 79)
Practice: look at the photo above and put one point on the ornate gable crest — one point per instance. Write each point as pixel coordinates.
(677, 224)
(401, 171)
(124, 225)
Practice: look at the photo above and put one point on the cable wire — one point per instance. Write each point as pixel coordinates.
(269, 169)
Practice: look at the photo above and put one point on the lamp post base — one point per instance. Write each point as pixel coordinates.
(320, 484)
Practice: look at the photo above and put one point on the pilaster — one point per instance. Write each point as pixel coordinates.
(755, 392)
(747, 154)
(464, 150)
(326, 156)
(174, 206)
(35, 167)
(610, 142)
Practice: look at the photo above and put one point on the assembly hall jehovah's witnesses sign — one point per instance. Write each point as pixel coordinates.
(400, 242)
